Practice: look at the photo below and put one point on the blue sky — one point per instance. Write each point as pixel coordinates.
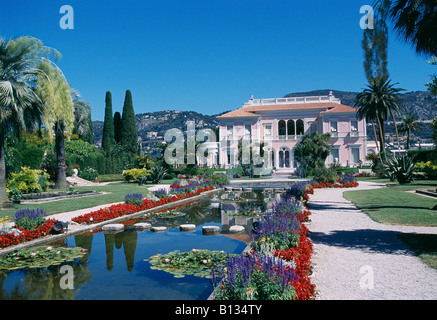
(207, 56)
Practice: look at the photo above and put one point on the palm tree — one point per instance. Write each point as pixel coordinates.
(377, 102)
(416, 22)
(410, 124)
(58, 117)
(20, 106)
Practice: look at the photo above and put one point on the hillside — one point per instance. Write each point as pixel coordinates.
(415, 102)
(151, 127)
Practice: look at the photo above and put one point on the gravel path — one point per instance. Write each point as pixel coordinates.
(356, 258)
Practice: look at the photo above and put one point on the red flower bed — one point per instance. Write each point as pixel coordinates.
(301, 256)
(321, 185)
(7, 240)
(123, 209)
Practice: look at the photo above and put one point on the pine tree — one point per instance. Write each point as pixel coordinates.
(129, 136)
(117, 127)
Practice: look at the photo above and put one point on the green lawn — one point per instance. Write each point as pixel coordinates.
(424, 246)
(394, 205)
(115, 193)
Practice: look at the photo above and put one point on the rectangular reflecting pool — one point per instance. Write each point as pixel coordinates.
(115, 265)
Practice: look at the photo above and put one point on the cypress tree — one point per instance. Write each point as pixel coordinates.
(129, 136)
(108, 125)
(108, 133)
(117, 127)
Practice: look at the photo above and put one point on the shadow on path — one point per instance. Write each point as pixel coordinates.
(366, 240)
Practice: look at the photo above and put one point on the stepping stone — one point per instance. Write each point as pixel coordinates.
(158, 229)
(142, 226)
(236, 229)
(187, 227)
(113, 227)
(210, 230)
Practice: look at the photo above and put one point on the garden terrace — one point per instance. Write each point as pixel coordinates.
(124, 215)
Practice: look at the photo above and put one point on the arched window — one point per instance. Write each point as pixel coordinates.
(300, 130)
(291, 128)
(282, 129)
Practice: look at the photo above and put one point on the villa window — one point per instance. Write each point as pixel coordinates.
(300, 130)
(354, 126)
(268, 131)
(334, 156)
(333, 126)
(229, 131)
(291, 130)
(282, 128)
(355, 155)
(247, 131)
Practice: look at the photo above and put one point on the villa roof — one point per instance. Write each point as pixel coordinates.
(254, 111)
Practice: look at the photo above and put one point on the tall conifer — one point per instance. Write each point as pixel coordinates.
(108, 124)
(129, 136)
(117, 127)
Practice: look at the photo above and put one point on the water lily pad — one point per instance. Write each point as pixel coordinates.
(195, 262)
(39, 257)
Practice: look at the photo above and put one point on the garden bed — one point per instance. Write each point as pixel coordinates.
(113, 214)
(54, 195)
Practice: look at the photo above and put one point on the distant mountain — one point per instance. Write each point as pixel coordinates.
(161, 121)
(151, 127)
(415, 102)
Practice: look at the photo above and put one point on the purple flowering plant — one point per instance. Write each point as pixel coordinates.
(29, 218)
(254, 277)
(134, 198)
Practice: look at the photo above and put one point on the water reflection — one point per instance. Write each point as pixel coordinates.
(106, 270)
(127, 240)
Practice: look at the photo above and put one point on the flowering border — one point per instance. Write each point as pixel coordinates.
(10, 239)
(123, 209)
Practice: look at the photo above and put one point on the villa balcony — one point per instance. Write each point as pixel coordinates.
(354, 134)
(292, 100)
(290, 137)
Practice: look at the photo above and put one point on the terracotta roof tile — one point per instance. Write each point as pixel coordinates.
(252, 111)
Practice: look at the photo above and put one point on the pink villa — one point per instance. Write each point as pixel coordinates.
(283, 122)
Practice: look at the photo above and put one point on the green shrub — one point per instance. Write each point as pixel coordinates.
(88, 174)
(219, 179)
(429, 168)
(136, 174)
(158, 174)
(325, 175)
(27, 181)
(402, 169)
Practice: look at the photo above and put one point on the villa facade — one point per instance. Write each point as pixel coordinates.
(283, 121)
